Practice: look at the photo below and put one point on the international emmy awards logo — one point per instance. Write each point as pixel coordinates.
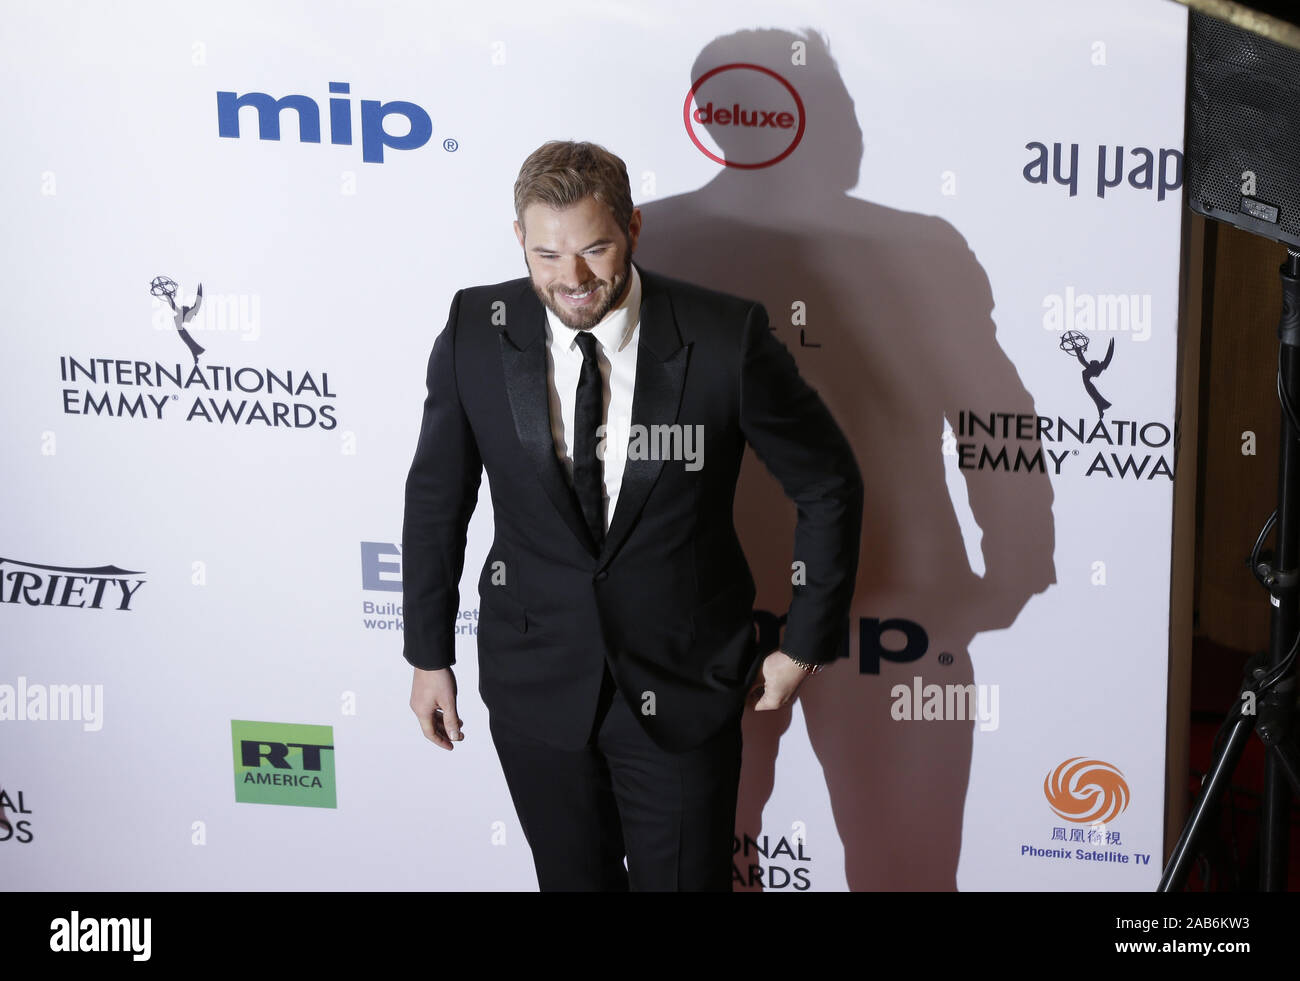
(1074, 342)
(166, 287)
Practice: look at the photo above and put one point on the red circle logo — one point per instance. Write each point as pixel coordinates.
(734, 116)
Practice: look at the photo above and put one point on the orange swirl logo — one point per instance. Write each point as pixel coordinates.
(1086, 791)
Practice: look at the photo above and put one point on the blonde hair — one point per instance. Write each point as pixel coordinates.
(561, 173)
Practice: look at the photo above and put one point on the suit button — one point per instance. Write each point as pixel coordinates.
(601, 576)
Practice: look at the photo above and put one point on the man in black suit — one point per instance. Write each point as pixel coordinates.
(610, 407)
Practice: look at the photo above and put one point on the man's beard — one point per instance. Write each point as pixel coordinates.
(608, 294)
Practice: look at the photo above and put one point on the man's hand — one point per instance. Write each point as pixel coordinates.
(433, 700)
(778, 679)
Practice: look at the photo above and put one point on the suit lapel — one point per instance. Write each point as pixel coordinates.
(523, 361)
(656, 397)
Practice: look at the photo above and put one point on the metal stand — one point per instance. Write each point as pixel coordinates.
(1266, 703)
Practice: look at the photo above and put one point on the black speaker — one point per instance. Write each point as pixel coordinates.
(1243, 130)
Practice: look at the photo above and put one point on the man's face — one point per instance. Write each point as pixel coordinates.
(579, 260)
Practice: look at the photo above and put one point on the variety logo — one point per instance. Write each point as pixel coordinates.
(375, 136)
(104, 587)
(753, 114)
(129, 388)
(284, 763)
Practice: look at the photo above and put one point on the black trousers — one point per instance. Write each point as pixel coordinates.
(672, 815)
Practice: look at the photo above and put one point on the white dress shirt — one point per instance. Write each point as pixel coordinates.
(616, 336)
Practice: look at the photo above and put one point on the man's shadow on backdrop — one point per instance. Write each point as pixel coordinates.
(901, 311)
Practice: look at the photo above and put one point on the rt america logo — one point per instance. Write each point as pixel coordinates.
(374, 132)
(284, 763)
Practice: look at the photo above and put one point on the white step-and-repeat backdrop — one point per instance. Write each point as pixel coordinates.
(232, 232)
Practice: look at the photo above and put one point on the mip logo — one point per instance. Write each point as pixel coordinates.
(872, 648)
(1086, 791)
(871, 645)
(375, 137)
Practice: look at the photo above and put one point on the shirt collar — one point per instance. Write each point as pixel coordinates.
(615, 329)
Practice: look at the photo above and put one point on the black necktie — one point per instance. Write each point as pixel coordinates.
(588, 479)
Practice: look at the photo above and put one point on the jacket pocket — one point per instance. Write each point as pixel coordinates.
(503, 606)
(722, 613)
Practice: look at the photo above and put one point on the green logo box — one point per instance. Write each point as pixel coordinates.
(283, 763)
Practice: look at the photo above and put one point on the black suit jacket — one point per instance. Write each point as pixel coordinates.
(667, 602)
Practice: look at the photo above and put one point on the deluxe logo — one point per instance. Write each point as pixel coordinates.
(755, 121)
(1086, 791)
(375, 137)
(104, 587)
(735, 116)
(284, 763)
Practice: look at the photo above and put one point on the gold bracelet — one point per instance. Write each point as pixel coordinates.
(810, 668)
